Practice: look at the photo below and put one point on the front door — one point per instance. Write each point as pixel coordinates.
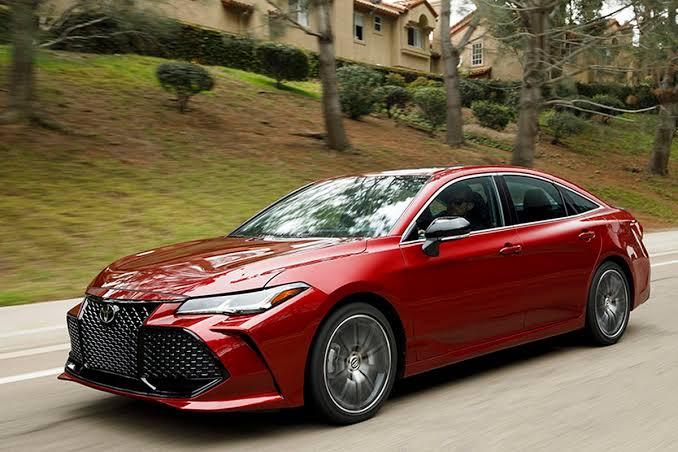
(470, 292)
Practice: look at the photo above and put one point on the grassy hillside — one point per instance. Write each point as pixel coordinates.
(129, 172)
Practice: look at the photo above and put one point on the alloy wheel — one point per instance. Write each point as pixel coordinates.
(357, 363)
(611, 302)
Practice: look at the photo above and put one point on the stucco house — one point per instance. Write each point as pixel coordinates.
(392, 33)
(486, 57)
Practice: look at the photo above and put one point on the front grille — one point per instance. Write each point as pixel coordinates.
(74, 333)
(113, 347)
(126, 355)
(176, 353)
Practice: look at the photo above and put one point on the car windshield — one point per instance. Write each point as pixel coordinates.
(364, 206)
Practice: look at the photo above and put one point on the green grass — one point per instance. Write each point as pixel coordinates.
(634, 201)
(305, 88)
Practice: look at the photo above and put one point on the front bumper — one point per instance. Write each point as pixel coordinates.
(263, 358)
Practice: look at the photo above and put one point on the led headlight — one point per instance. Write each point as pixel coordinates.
(242, 303)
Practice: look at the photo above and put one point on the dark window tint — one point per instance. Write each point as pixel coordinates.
(534, 199)
(474, 199)
(367, 206)
(576, 203)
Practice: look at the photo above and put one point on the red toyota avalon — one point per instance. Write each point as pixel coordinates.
(333, 292)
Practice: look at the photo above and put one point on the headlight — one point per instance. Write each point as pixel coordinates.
(242, 303)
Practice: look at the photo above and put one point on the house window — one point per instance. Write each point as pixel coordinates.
(299, 11)
(377, 24)
(414, 37)
(477, 54)
(358, 27)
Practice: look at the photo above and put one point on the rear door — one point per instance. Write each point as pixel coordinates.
(560, 246)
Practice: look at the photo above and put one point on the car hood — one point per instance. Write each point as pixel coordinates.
(212, 266)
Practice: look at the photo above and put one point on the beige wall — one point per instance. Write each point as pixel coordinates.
(505, 63)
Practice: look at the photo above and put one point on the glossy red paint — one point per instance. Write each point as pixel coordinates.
(470, 300)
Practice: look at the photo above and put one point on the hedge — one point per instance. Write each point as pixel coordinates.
(5, 20)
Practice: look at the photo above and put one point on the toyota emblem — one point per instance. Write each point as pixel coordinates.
(107, 313)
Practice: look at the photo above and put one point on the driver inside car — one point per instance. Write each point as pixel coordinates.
(459, 201)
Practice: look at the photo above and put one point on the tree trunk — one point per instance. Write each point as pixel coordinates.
(21, 77)
(536, 51)
(663, 139)
(450, 59)
(334, 123)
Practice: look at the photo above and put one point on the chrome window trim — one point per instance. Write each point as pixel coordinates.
(499, 228)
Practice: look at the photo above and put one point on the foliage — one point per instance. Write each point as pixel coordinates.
(564, 124)
(282, 62)
(432, 103)
(608, 101)
(185, 80)
(356, 90)
(421, 82)
(392, 96)
(4, 25)
(491, 114)
(503, 92)
(112, 27)
(395, 79)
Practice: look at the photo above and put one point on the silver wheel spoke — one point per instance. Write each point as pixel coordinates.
(611, 302)
(357, 363)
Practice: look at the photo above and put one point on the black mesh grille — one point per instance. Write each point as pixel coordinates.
(172, 353)
(74, 333)
(112, 347)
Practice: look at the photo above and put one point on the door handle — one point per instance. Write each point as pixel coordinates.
(587, 236)
(509, 249)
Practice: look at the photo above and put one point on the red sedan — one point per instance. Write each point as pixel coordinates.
(333, 292)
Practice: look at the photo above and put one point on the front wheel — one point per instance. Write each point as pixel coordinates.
(609, 304)
(353, 364)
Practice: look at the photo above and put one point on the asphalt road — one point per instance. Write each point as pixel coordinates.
(555, 394)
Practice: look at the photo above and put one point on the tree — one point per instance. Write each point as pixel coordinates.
(658, 50)
(450, 58)
(21, 78)
(327, 65)
(71, 26)
(554, 36)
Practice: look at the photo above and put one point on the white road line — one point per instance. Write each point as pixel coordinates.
(33, 331)
(661, 264)
(31, 375)
(664, 253)
(34, 351)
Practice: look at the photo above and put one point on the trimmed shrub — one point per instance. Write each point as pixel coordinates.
(211, 47)
(356, 90)
(395, 79)
(563, 124)
(609, 101)
(282, 62)
(432, 103)
(391, 96)
(185, 80)
(492, 115)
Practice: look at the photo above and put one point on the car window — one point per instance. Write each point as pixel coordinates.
(534, 199)
(576, 203)
(474, 199)
(364, 206)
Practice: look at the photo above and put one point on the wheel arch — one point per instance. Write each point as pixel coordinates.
(386, 308)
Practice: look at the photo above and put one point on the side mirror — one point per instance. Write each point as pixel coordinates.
(444, 228)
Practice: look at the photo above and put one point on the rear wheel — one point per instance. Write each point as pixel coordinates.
(353, 364)
(609, 304)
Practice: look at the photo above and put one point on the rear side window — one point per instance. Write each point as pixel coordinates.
(534, 199)
(576, 203)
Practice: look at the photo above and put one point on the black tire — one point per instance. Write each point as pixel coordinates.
(331, 350)
(614, 304)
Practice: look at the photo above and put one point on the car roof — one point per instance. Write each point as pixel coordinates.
(441, 172)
